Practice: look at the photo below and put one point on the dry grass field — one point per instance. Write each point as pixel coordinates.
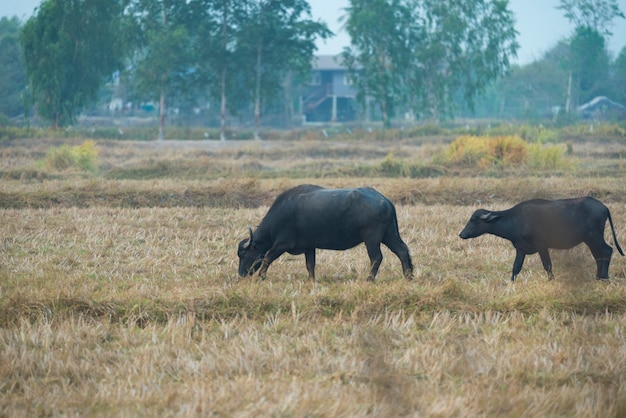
(119, 293)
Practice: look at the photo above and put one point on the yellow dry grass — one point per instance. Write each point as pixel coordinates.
(135, 312)
(109, 309)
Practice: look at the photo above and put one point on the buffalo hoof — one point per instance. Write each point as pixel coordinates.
(604, 279)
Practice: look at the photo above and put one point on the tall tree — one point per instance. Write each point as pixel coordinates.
(216, 51)
(163, 60)
(70, 47)
(12, 72)
(275, 37)
(381, 34)
(589, 60)
(534, 90)
(424, 53)
(466, 45)
(589, 64)
(594, 14)
(619, 77)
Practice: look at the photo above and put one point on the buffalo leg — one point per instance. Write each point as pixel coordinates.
(309, 256)
(602, 254)
(399, 248)
(268, 259)
(518, 263)
(376, 257)
(547, 262)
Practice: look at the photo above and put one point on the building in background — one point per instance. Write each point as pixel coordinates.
(329, 96)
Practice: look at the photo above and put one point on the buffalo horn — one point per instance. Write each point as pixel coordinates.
(249, 241)
(485, 216)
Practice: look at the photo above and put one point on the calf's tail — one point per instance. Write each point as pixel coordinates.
(614, 237)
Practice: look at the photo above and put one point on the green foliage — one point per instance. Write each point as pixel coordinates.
(392, 167)
(618, 85)
(164, 54)
(280, 39)
(12, 72)
(425, 53)
(83, 157)
(545, 158)
(14, 132)
(595, 14)
(379, 32)
(595, 130)
(249, 52)
(69, 47)
(589, 63)
(548, 136)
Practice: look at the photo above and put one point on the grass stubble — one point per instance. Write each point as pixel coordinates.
(115, 311)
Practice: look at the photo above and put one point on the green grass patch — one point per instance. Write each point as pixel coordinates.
(83, 157)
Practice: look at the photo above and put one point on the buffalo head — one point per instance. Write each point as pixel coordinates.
(250, 256)
(478, 224)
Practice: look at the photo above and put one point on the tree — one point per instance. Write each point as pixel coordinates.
(380, 36)
(589, 63)
(589, 60)
(619, 77)
(70, 46)
(274, 39)
(425, 53)
(594, 14)
(466, 46)
(248, 48)
(162, 61)
(217, 58)
(12, 72)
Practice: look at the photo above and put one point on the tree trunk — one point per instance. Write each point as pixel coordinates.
(162, 98)
(223, 108)
(288, 110)
(223, 75)
(161, 114)
(257, 93)
(568, 101)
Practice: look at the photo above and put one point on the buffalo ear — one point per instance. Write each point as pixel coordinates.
(489, 217)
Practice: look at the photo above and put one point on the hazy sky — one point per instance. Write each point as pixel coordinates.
(539, 23)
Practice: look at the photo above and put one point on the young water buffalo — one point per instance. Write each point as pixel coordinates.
(537, 225)
(307, 217)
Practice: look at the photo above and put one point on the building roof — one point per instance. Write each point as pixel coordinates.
(600, 102)
(328, 62)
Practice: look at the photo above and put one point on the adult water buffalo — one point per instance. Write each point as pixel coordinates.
(308, 217)
(537, 225)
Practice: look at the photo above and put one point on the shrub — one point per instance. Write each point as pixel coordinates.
(392, 167)
(545, 158)
(501, 151)
(86, 156)
(467, 151)
(548, 135)
(507, 150)
(83, 157)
